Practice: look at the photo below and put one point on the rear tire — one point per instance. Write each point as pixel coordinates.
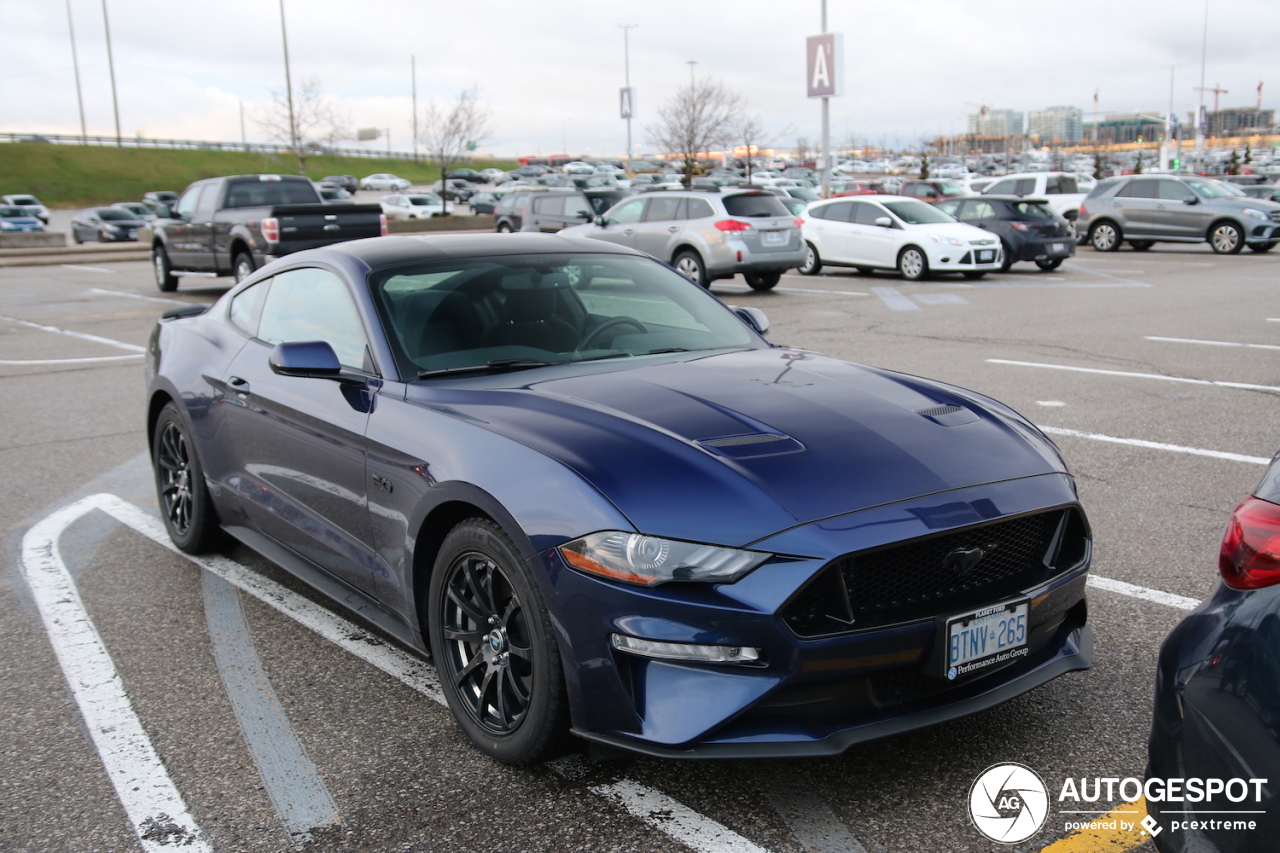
(762, 280)
(1141, 245)
(185, 505)
(493, 641)
(243, 266)
(1006, 256)
(1048, 264)
(812, 261)
(166, 281)
(689, 264)
(913, 265)
(1105, 237)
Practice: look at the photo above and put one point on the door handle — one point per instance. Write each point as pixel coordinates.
(629, 231)
(241, 386)
(674, 228)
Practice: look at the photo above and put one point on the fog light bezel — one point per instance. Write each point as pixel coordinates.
(685, 652)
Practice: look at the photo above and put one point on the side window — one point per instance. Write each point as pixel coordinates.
(1025, 186)
(1138, 189)
(1002, 187)
(951, 207)
(1060, 185)
(246, 307)
(628, 213)
(312, 304)
(698, 209)
(208, 203)
(1173, 190)
(841, 211)
(187, 204)
(978, 211)
(866, 214)
(662, 209)
(553, 204)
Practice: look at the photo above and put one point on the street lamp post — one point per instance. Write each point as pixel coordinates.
(626, 65)
(111, 67)
(288, 83)
(84, 133)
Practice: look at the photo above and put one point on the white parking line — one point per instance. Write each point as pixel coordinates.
(894, 299)
(69, 360)
(809, 817)
(81, 335)
(102, 292)
(1209, 343)
(88, 269)
(737, 289)
(696, 831)
(1155, 445)
(1166, 598)
(151, 801)
(1221, 384)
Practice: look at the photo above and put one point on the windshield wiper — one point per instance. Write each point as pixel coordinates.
(501, 365)
(665, 350)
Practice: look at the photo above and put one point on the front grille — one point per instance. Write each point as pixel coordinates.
(1275, 215)
(950, 572)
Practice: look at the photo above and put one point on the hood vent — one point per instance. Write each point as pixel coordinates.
(948, 415)
(753, 445)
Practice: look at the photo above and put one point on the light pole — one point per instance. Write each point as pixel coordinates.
(626, 66)
(84, 134)
(826, 127)
(691, 63)
(111, 67)
(1204, 51)
(288, 86)
(413, 82)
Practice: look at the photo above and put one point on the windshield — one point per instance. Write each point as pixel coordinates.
(25, 199)
(111, 214)
(424, 199)
(513, 311)
(917, 212)
(12, 212)
(948, 188)
(1214, 189)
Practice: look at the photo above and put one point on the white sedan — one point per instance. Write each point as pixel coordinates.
(384, 181)
(412, 206)
(890, 232)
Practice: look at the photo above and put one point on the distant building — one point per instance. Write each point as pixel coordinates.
(1121, 128)
(1240, 122)
(1057, 124)
(996, 123)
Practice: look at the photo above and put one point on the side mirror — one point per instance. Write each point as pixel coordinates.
(884, 222)
(584, 215)
(308, 359)
(755, 318)
(601, 221)
(1191, 199)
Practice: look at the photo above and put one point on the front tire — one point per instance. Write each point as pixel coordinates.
(166, 281)
(243, 266)
(1226, 239)
(185, 505)
(812, 261)
(1105, 237)
(762, 280)
(493, 642)
(974, 275)
(1048, 264)
(912, 264)
(689, 264)
(504, 228)
(1141, 245)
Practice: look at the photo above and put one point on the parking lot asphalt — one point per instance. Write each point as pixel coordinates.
(1157, 373)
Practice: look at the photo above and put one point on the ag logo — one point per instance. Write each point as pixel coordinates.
(1008, 803)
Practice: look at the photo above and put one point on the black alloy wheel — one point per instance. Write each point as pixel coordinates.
(1048, 264)
(185, 506)
(493, 642)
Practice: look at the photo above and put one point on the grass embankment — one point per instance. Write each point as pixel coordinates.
(84, 175)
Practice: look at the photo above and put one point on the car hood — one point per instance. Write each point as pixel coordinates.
(735, 447)
(959, 230)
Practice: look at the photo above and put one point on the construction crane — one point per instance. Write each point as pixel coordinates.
(1259, 94)
(983, 108)
(1217, 90)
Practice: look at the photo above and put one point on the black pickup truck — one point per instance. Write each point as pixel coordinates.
(233, 225)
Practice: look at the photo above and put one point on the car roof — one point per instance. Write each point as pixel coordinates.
(1017, 198)
(377, 252)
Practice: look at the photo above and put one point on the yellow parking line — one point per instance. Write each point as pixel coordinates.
(1105, 839)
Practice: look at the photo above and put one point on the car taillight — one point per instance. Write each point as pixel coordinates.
(271, 229)
(799, 222)
(1019, 226)
(1083, 211)
(382, 220)
(734, 225)
(1250, 555)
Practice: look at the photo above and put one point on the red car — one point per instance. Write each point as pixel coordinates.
(853, 188)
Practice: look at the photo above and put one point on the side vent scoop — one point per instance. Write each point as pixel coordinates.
(751, 446)
(948, 416)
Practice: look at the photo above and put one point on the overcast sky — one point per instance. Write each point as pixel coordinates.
(550, 70)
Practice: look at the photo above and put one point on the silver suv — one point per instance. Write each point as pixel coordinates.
(1148, 209)
(706, 235)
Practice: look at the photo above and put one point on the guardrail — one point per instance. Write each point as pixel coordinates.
(258, 147)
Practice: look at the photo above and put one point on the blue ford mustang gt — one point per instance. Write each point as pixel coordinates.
(607, 505)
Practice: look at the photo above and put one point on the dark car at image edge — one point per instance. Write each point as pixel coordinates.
(607, 504)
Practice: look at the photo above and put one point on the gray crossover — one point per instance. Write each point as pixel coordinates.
(1148, 209)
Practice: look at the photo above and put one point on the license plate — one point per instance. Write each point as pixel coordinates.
(986, 637)
(986, 256)
(133, 232)
(1057, 247)
(773, 238)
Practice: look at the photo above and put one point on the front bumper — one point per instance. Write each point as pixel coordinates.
(944, 257)
(806, 696)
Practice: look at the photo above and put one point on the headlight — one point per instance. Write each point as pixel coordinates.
(950, 241)
(112, 228)
(8, 226)
(650, 560)
(1257, 214)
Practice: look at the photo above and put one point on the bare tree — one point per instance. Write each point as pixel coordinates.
(748, 130)
(802, 149)
(449, 134)
(312, 123)
(699, 117)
